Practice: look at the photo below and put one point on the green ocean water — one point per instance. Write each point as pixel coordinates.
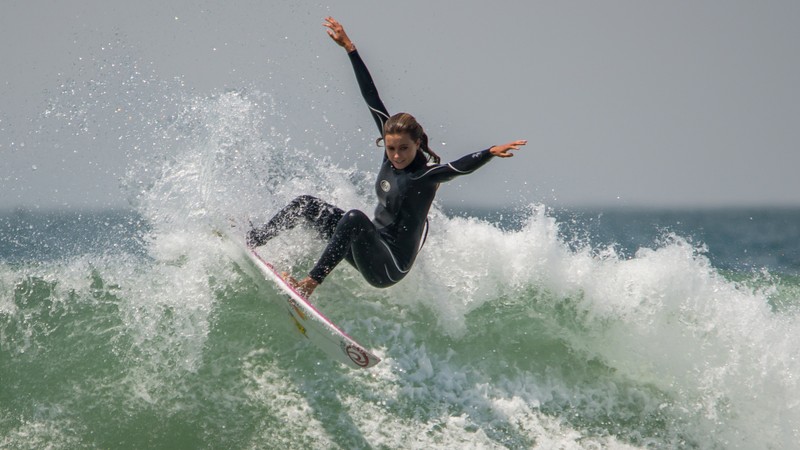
(505, 335)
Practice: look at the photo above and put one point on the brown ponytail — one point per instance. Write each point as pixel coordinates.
(406, 123)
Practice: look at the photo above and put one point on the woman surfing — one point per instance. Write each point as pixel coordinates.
(382, 249)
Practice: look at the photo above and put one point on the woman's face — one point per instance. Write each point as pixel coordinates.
(400, 149)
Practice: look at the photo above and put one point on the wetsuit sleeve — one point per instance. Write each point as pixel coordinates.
(369, 91)
(462, 166)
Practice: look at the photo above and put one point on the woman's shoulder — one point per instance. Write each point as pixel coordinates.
(425, 170)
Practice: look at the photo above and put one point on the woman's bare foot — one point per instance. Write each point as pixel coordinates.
(305, 286)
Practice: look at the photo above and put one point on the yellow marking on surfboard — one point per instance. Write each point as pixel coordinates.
(297, 309)
(300, 327)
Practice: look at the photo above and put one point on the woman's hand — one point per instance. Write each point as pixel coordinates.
(336, 32)
(504, 151)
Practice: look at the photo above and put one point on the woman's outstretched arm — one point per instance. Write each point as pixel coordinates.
(440, 173)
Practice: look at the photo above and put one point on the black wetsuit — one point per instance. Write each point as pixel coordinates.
(382, 249)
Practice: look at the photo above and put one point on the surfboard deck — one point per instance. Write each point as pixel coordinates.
(313, 324)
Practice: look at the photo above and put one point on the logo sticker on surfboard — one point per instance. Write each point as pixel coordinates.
(300, 327)
(357, 355)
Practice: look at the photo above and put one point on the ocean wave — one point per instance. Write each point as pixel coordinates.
(498, 337)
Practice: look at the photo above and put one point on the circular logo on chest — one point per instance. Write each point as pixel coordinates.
(385, 186)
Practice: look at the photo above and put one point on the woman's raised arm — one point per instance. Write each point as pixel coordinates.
(365, 83)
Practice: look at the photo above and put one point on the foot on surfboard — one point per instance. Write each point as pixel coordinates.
(304, 287)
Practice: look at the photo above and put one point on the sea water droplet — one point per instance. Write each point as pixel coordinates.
(33, 167)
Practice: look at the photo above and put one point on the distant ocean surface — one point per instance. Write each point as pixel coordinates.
(520, 328)
(734, 239)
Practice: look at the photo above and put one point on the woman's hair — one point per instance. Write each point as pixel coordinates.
(406, 123)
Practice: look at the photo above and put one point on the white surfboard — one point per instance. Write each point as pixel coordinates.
(312, 324)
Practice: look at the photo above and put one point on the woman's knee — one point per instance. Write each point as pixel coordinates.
(355, 216)
(353, 223)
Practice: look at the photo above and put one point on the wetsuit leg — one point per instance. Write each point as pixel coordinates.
(357, 240)
(322, 216)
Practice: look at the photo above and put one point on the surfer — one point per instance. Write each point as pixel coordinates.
(382, 249)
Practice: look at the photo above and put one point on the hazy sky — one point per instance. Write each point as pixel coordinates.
(624, 103)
